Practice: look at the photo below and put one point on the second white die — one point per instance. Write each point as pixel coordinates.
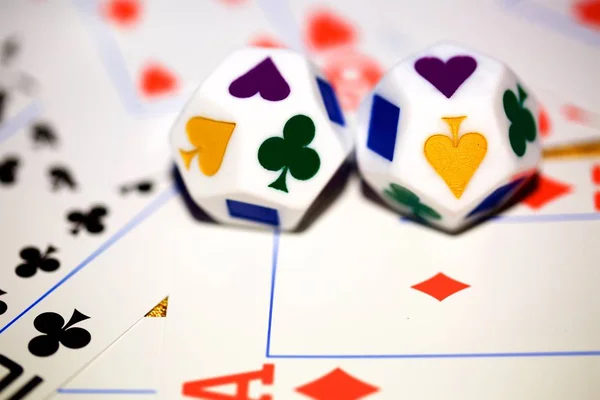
(448, 135)
(260, 139)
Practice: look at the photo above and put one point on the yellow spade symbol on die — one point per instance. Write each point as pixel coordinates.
(456, 159)
(209, 138)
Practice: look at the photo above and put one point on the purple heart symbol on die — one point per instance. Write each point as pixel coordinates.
(446, 76)
(264, 79)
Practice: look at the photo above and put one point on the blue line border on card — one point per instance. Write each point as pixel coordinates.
(549, 18)
(156, 204)
(21, 120)
(143, 392)
(115, 66)
(500, 218)
(274, 258)
(520, 219)
(592, 353)
(546, 218)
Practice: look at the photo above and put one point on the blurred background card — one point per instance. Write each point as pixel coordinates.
(541, 55)
(157, 53)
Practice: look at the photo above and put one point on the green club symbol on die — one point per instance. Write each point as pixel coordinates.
(405, 197)
(290, 152)
(522, 128)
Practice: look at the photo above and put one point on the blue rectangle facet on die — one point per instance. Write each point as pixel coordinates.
(331, 103)
(253, 212)
(497, 197)
(383, 127)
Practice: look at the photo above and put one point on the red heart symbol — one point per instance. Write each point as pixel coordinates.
(327, 30)
(122, 12)
(157, 80)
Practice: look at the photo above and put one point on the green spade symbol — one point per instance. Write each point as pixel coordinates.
(290, 152)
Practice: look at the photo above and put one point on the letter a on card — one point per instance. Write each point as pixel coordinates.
(199, 389)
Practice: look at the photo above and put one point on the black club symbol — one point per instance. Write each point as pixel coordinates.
(143, 187)
(61, 177)
(3, 306)
(8, 170)
(34, 259)
(55, 333)
(92, 220)
(43, 134)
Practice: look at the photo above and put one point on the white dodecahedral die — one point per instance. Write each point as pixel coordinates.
(260, 139)
(448, 136)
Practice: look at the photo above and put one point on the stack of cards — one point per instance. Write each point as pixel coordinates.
(97, 228)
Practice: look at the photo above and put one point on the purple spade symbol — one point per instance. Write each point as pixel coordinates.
(264, 79)
(446, 76)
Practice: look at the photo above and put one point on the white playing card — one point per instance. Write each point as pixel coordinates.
(127, 368)
(396, 308)
(60, 269)
(62, 202)
(571, 18)
(470, 379)
(158, 53)
(97, 152)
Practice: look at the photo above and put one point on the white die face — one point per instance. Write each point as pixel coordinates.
(236, 120)
(436, 126)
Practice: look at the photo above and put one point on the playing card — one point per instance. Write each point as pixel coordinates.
(128, 367)
(578, 19)
(387, 315)
(421, 379)
(74, 181)
(65, 297)
(156, 53)
(85, 194)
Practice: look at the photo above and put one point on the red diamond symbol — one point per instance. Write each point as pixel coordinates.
(440, 286)
(337, 385)
(547, 191)
(596, 174)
